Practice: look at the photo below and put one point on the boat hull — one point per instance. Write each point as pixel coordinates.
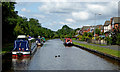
(68, 44)
(20, 53)
(23, 53)
(39, 44)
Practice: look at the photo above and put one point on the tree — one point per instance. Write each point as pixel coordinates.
(66, 32)
(9, 16)
(97, 31)
(115, 36)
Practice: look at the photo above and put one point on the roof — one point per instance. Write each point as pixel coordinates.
(102, 27)
(106, 23)
(85, 27)
(116, 19)
(98, 26)
(21, 36)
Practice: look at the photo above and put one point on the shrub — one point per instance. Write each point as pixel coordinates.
(109, 40)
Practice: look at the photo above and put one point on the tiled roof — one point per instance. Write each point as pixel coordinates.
(106, 23)
(85, 27)
(116, 19)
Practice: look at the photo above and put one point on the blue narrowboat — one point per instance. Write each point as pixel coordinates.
(24, 46)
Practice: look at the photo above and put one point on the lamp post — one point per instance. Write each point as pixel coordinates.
(95, 22)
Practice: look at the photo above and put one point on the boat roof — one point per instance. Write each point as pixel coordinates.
(21, 36)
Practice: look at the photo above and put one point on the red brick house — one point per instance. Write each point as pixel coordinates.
(115, 23)
(85, 29)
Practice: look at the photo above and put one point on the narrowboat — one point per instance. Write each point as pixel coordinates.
(24, 46)
(68, 41)
(39, 41)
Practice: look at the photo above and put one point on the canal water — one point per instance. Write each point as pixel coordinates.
(53, 55)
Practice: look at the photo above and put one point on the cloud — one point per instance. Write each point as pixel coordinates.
(70, 20)
(57, 7)
(25, 10)
(82, 15)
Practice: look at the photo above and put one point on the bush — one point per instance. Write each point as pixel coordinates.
(109, 40)
(118, 39)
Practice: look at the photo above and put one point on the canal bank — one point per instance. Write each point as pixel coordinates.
(113, 54)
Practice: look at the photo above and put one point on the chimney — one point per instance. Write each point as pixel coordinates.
(111, 21)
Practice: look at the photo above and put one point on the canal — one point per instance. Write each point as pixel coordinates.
(53, 55)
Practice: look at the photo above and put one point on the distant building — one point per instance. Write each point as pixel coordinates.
(85, 29)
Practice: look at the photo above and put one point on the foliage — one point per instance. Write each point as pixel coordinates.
(118, 39)
(85, 34)
(65, 32)
(109, 40)
(97, 38)
(14, 25)
(8, 21)
(80, 37)
(116, 36)
(97, 31)
(90, 35)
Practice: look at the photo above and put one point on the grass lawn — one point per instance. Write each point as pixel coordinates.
(100, 49)
(73, 38)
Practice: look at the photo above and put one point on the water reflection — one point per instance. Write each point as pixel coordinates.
(68, 46)
(20, 63)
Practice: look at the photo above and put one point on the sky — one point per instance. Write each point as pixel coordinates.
(55, 14)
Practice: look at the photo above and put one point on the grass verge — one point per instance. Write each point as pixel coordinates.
(100, 49)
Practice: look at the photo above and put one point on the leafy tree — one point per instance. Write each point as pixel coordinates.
(8, 21)
(66, 32)
(118, 39)
(85, 34)
(116, 36)
(97, 31)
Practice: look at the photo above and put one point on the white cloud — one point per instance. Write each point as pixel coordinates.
(70, 20)
(25, 10)
(80, 15)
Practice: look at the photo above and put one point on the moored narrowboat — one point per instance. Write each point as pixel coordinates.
(24, 46)
(39, 41)
(68, 41)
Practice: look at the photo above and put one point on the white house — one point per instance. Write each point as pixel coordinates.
(107, 26)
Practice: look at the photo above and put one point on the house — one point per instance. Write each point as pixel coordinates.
(107, 26)
(92, 29)
(101, 27)
(85, 29)
(115, 22)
